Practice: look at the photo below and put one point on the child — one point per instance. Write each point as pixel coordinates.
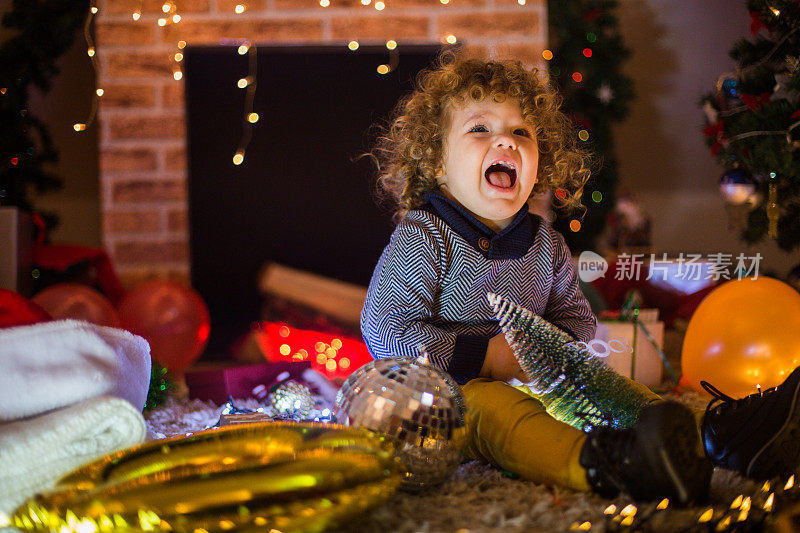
(465, 153)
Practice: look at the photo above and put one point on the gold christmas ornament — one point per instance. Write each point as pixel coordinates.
(418, 405)
(278, 475)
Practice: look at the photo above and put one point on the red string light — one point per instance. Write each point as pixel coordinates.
(335, 356)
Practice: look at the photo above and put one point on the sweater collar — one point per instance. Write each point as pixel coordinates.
(511, 243)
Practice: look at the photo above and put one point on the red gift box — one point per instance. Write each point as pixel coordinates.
(219, 384)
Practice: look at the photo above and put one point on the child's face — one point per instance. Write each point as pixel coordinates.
(490, 159)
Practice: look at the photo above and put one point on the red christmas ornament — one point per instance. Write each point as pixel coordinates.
(755, 102)
(756, 22)
(715, 129)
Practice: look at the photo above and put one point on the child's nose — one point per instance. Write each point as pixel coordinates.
(505, 141)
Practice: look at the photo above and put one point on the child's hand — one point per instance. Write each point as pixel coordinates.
(500, 362)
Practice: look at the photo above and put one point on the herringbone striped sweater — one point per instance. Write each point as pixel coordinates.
(430, 284)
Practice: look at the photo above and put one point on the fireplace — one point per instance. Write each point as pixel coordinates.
(303, 197)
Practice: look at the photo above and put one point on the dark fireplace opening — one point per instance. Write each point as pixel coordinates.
(302, 198)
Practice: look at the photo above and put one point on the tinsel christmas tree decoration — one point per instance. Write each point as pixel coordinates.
(573, 385)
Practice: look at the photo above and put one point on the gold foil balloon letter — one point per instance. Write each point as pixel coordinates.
(278, 475)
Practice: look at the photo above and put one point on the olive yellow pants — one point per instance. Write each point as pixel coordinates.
(509, 428)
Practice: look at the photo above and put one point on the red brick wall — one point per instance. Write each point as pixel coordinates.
(142, 126)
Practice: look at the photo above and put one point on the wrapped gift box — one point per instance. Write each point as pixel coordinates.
(218, 384)
(648, 365)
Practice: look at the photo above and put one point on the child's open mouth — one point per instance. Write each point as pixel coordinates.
(501, 175)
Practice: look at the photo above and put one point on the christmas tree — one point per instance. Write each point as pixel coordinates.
(41, 31)
(753, 123)
(574, 386)
(587, 52)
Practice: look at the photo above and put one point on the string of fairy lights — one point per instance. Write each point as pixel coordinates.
(170, 16)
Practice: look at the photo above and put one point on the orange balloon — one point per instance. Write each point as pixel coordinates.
(745, 333)
(172, 317)
(79, 302)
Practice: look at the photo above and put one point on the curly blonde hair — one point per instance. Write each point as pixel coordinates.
(411, 150)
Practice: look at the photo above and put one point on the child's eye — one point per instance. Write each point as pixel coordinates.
(480, 128)
(522, 131)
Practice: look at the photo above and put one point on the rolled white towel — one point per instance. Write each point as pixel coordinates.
(36, 452)
(50, 365)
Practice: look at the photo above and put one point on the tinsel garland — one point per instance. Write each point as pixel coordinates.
(161, 384)
(572, 384)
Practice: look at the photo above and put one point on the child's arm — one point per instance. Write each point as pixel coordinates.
(400, 311)
(567, 307)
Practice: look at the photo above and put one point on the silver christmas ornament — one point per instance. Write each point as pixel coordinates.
(418, 405)
(293, 400)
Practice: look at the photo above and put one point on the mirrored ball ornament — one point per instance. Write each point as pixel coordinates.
(415, 403)
(293, 400)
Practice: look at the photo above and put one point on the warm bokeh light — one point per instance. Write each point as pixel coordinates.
(99, 92)
(336, 357)
(252, 118)
(451, 39)
(238, 159)
(547, 55)
(383, 69)
(79, 127)
(577, 76)
(239, 9)
(391, 44)
(352, 45)
(575, 225)
(242, 83)
(583, 135)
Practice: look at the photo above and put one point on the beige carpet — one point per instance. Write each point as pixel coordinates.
(480, 498)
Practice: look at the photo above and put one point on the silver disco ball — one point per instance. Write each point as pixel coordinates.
(418, 405)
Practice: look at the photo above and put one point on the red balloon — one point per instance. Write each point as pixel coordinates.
(80, 302)
(16, 310)
(172, 317)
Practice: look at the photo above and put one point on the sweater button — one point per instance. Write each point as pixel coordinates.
(483, 244)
